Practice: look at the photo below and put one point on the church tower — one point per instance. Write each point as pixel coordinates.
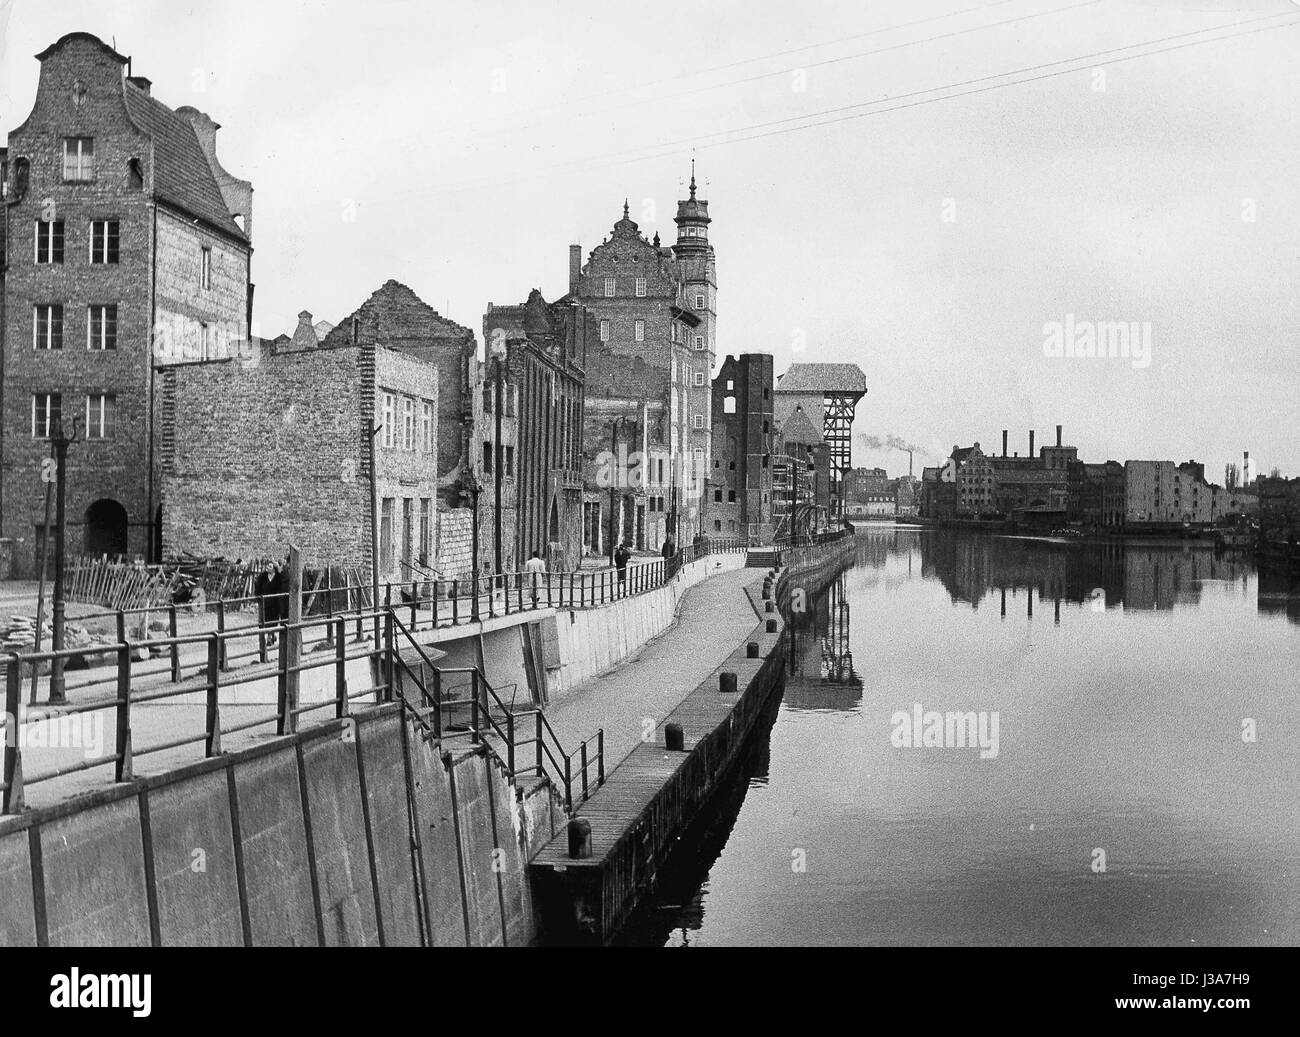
(697, 274)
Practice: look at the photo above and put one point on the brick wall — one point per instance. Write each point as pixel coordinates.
(273, 450)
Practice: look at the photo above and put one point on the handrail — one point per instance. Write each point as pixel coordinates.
(209, 672)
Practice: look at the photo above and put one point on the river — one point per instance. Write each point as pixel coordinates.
(988, 740)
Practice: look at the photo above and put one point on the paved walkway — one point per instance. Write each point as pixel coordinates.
(631, 700)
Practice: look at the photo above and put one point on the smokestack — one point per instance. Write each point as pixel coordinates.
(1004, 442)
(1031, 442)
(304, 335)
(575, 266)
(909, 464)
(1058, 435)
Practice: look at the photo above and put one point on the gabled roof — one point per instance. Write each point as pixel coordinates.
(182, 177)
(822, 378)
(798, 428)
(395, 315)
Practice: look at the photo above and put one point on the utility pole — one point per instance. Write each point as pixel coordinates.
(61, 444)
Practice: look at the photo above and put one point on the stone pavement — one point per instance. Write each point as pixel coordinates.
(714, 617)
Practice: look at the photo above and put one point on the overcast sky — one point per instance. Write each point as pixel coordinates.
(460, 148)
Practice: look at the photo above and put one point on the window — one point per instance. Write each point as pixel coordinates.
(640, 287)
(101, 327)
(717, 496)
(487, 458)
(205, 268)
(389, 418)
(717, 525)
(103, 241)
(428, 427)
(426, 529)
(699, 378)
(699, 342)
(510, 462)
(728, 405)
(731, 384)
(99, 415)
(487, 397)
(731, 496)
(47, 410)
(604, 331)
(640, 330)
(47, 326)
(699, 300)
(78, 158)
(205, 340)
(408, 424)
(386, 534)
(699, 421)
(609, 288)
(49, 241)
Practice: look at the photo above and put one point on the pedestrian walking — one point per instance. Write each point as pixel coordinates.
(535, 567)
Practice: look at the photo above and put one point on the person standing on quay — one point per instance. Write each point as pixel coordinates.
(621, 555)
(670, 556)
(535, 566)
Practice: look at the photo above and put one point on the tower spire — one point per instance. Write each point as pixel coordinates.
(692, 177)
(625, 208)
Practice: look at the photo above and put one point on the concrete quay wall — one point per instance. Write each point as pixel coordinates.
(359, 832)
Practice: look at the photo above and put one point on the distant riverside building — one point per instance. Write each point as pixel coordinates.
(974, 497)
(659, 304)
(126, 248)
(1279, 509)
(828, 394)
(1166, 492)
(740, 480)
(1095, 494)
(273, 447)
(1036, 482)
(543, 347)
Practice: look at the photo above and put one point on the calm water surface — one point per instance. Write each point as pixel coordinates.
(1121, 678)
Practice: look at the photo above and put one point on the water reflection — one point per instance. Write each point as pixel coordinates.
(820, 656)
(1123, 676)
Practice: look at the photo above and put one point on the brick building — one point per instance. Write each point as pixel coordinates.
(1095, 494)
(626, 458)
(396, 318)
(801, 477)
(541, 348)
(274, 447)
(974, 482)
(1279, 509)
(1035, 482)
(739, 496)
(659, 303)
(126, 248)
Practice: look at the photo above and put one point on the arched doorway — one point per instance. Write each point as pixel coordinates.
(105, 528)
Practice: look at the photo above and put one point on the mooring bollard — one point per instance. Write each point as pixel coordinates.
(751, 650)
(674, 741)
(767, 592)
(727, 683)
(579, 839)
(771, 626)
(771, 606)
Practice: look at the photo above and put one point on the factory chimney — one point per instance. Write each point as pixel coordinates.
(1031, 443)
(1004, 442)
(1058, 435)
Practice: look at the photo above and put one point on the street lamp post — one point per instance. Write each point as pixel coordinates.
(61, 443)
